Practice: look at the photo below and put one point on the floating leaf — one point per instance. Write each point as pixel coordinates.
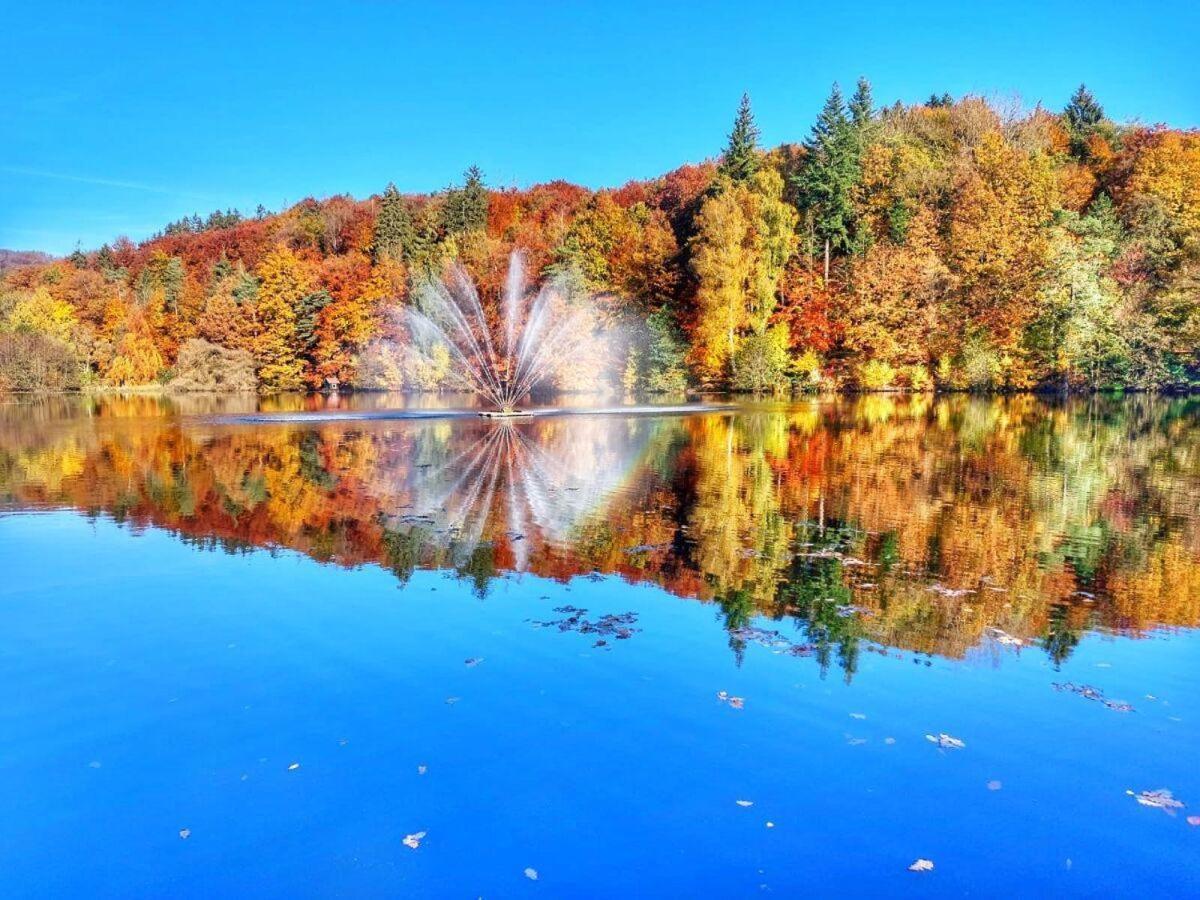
(945, 741)
(185, 833)
(531, 874)
(474, 661)
(293, 767)
(421, 770)
(921, 865)
(413, 841)
(744, 802)
(1193, 820)
(994, 785)
(1159, 799)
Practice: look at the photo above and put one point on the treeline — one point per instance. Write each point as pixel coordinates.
(952, 244)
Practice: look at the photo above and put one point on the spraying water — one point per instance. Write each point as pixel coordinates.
(501, 358)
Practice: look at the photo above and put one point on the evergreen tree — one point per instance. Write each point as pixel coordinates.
(394, 233)
(466, 208)
(1083, 117)
(78, 258)
(830, 172)
(862, 105)
(936, 101)
(739, 162)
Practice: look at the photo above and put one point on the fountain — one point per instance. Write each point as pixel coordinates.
(501, 358)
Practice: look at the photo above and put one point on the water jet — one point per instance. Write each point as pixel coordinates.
(502, 354)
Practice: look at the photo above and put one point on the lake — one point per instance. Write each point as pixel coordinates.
(768, 650)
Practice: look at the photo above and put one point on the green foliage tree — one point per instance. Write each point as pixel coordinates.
(761, 361)
(395, 234)
(466, 208)
(739, 162)
(830, 172)
(1083, 116)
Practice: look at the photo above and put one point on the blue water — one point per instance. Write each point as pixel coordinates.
(148, 686)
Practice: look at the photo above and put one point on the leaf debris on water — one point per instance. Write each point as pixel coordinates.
(473, 661)
(1158, 799)
(1193, 820)
(1092, 693)
(744, 802)
(293, 767)
(994, 785)
(413, 841)
(185, 833)
(531, 873)
(421, 770)
(945, 741)
(735, 702)
(921, 865)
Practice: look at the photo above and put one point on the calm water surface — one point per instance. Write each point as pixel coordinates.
(657, 655)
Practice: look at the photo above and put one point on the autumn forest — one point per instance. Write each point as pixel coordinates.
(957, 244)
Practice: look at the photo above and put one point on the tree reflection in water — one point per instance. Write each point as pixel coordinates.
(925, 525)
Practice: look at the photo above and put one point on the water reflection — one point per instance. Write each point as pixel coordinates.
(925, 525)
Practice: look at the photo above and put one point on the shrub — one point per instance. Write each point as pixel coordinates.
(203, 366)
(876, 375)
(761, 362)
(807, 370)
(981, 363)
(919, 378)
(38, 362)
(381, 367)
(666, 350)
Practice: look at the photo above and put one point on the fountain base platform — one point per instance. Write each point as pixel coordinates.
(505, 414)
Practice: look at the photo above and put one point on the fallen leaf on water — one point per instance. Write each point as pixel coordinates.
(185, 833)
(945, 741)
(921, 865)
(1193, 820)
(413, 840)
(421, 770)
(889, 740)
(994, 785)
(474, 661)
(734, 702)
(744, 802)
(1159, 799)
(450, 701)
(857, 716)
(293, 767)
(94, 764)
(531, 874)
(770, 824)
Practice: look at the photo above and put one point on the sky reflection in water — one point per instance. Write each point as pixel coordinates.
(862, 572)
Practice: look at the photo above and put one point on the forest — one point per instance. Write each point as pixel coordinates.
(958, 244)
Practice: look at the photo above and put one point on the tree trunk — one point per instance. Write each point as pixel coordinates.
(826, 263)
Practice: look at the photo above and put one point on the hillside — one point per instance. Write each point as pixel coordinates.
(945, 244)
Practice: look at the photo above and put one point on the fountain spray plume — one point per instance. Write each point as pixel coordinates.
(531, 340)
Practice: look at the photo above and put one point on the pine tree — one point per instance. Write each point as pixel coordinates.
(1083, 117)
(466, 208)
(862, 105)
(394, 233)
(829, 175)
(739, 162)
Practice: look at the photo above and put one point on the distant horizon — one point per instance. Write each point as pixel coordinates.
(155, 113)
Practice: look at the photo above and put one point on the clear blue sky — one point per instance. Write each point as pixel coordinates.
(120, 117)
